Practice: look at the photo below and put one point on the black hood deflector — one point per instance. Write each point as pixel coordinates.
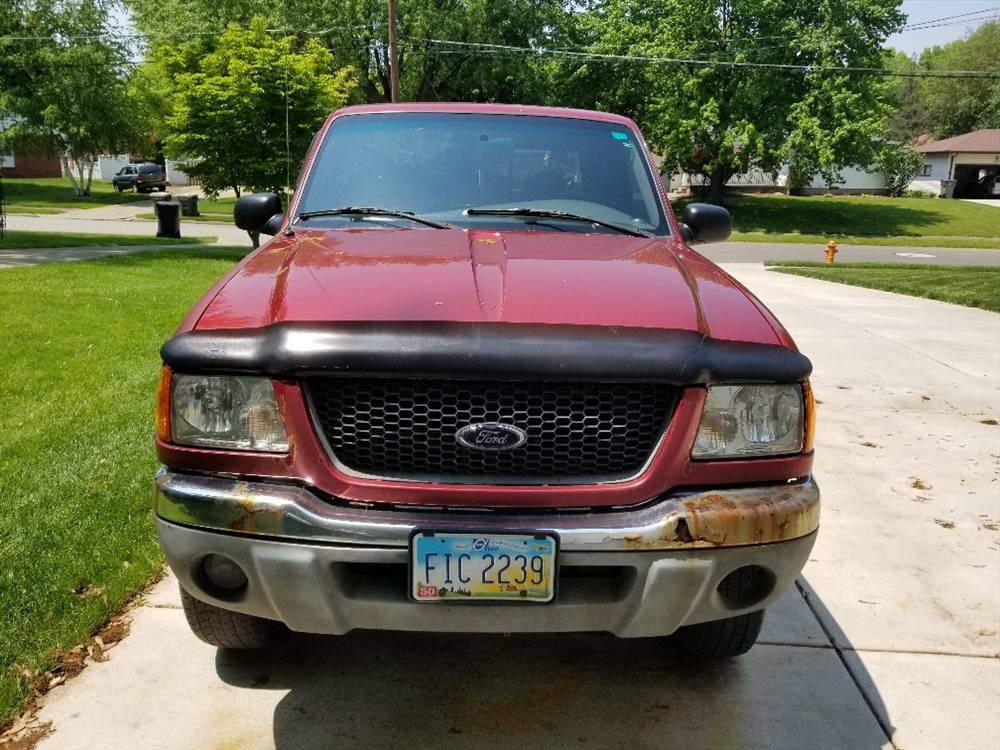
(510, 351)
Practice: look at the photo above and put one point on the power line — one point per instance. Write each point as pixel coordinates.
(104, 36)
(948, 18)
(484, 48)
(700, 62)
(952, 23)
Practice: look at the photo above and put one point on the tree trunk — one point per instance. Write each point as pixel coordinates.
(68, 170)
(81, 184)
(717, 186)
(90, 177)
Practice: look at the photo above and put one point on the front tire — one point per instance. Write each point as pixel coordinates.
(225, 629)
(719, 639)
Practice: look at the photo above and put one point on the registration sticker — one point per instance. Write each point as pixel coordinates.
(464, 567)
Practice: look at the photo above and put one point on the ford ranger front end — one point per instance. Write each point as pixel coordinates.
(479, 381)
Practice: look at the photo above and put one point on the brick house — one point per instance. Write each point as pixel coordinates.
(22, 165)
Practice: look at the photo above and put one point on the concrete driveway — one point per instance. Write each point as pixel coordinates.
(891, 639)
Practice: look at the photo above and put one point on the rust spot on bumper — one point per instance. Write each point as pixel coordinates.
(691, 520)
(729, 518)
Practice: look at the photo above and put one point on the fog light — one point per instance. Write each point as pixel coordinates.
(223, 573)
(746, 586)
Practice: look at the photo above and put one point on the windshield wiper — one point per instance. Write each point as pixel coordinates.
(371, 211)
(547, 214)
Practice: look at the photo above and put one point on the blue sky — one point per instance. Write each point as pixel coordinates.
(926, 10)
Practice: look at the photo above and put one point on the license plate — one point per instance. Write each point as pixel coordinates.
(448, 567)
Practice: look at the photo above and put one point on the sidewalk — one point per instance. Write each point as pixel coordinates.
(32, 257)
(226, 234)
(891, 639)
(758, 252)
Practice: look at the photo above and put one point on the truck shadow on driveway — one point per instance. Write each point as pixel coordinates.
(386, 689)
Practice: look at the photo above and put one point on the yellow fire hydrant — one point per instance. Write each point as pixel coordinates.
(831, 250)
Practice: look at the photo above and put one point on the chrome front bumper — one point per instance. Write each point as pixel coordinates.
(326, 568)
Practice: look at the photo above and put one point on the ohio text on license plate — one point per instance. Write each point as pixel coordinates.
(469, 567)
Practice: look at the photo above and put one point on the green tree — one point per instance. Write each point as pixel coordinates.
(900, 164)
(246, 116)
(355, 33)
(909, 116)
(63, 85)
(716, 120)
(961, 105)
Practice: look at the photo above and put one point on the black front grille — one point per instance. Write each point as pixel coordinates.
(407, 428)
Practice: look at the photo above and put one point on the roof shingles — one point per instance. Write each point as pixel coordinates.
(979, 141)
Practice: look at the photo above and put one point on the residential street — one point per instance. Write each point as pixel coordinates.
(892, 640)
(730, 252)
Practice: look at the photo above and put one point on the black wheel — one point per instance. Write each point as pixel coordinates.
(225, 629)
(719, 639)
(118, 188)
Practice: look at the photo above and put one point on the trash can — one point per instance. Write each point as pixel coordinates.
(168, 219)
(160, 197)
(947, 188)
(189, 205)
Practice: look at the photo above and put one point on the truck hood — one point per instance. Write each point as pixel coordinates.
(416, 275)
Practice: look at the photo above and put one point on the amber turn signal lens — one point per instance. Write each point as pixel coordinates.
(807, 393)
(163, 405)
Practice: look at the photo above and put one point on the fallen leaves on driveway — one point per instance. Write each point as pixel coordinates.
(25, 733)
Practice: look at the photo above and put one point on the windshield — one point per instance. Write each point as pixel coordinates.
(437, 165)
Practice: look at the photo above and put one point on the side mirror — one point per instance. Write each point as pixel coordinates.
(704, 222)
(259, 212)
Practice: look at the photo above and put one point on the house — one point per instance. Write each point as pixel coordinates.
(853, 181)
(25, 165)
(954, 166)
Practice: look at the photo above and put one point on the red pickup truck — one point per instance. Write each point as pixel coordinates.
(479, 381)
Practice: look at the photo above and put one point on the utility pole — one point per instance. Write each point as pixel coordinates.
(393, 54)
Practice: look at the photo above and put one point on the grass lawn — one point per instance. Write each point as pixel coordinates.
(79, 347)
(219, 206)
(57, 193)
(16, 239)
(972, 286)
(920, 222)
(31, 210)
(220, 210)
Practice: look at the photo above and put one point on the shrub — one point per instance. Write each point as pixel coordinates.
(900, 164)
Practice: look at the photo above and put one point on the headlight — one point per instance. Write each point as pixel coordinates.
(226, 412)
(751, 420)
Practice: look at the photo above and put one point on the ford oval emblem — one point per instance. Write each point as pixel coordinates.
(491, 436)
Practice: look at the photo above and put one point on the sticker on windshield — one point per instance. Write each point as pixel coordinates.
(619, 136)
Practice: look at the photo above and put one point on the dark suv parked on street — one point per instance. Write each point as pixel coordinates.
(142, 178)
